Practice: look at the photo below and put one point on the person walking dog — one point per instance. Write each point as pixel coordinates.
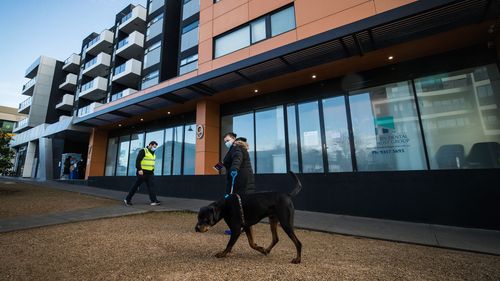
(145, 165)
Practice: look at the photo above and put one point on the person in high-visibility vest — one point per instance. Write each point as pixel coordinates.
(145, 166)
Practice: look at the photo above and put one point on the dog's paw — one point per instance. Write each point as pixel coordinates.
(296, 260)
(221, 255)
(262, 250)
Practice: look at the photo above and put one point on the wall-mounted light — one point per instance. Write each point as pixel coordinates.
(390, 57)
(190, 129)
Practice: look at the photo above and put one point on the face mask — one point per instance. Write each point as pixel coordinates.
(229, 144)
(153, 148)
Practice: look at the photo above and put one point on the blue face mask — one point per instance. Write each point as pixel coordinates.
(229, 144)
(153, 148)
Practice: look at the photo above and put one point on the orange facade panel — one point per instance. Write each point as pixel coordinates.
(230, 19)
(258, 8)
(385, 5)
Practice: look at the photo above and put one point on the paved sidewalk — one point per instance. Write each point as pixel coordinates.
(475, 240)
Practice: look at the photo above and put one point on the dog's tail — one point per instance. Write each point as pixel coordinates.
(298, 185)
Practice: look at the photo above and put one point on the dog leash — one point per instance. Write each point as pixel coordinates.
(241, 209)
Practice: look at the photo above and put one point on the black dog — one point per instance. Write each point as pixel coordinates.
(256, 206)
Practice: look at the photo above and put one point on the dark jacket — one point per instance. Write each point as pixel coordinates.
(138, 160)
(237, 158)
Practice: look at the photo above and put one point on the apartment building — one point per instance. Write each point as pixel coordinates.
(8, 118)
(47, 132)
(386, 109)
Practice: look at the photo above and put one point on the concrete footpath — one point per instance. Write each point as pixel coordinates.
(467, 239)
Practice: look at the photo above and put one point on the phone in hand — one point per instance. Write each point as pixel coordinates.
(218, 166)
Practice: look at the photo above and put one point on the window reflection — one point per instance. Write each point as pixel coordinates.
(337, 135)
(385, 126)
(189, 149)
(121, 169)
(169, 145)
(158, 137)
(310, 138)
(293, 149)
(270, 141)
(111, 157)
(136, 144)
(177, 150)
(460, 118)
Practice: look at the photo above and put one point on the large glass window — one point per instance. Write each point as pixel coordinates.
(293, 148)
(242, 125)
(387, 135)
(270, 140)
(155, 27)
(136, 144)
(338, 147)
(169, 145)
(190, 8)
(282, 21)
(177, 150)
(189, 36)
(123, 153)
(189, 149)
(155, 5)
(150, 79)
(460, 118)
(158, 137)
(111, 157)
(152, 55)
(310, 138)
(258, 30)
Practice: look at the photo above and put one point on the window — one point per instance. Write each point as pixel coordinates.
(255, 31)
(293, 149)
(270, 140)
(310, 138)
(190, 8)
(177, 150)
(282, 21)
(136, 144)
(123, 152)
(111, 157)
(150, 79)
(233, 41)
(189, 37)
(459, 112)
(155, 5)
(152, 55)
(155, 27)
(243, 126)
(387, 136)
(338, 147)
(189, 149)
(167, 165)
(158, 137)
(188, 64)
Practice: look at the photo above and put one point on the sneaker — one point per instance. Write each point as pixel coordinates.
(227, 231)
(127, 203)
(155, 203)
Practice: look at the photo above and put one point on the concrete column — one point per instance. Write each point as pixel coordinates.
(208, 146)
(96, 158)
(45, 169)
(30, 158)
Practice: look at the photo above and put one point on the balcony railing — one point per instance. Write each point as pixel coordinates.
(87, 86)
(29, 84)
(25, 103)
(21, 124)
(88, 109)
(119, 69)
(122, 94)
(92, 42)
(125, 18)
(90, 63)
(122, 43)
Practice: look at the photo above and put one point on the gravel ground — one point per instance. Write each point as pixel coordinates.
(21, 199)
(164, 246)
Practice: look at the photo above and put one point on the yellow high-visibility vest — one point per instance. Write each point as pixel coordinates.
(148, 162)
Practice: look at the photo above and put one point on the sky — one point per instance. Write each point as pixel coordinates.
(53, 28)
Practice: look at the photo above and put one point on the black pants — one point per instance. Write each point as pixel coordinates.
(148, 179)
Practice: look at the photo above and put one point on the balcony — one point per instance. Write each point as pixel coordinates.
(132, 46)
(135, 20)
(72, 64)
(95, 89)
(66, 103)
(122, 94)
(88, 109)
(32, 69)
(128, 74)
(24, 107)
(98, 66)
(29, 87)
(102, 43)
(21, 126)
(69, 83)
